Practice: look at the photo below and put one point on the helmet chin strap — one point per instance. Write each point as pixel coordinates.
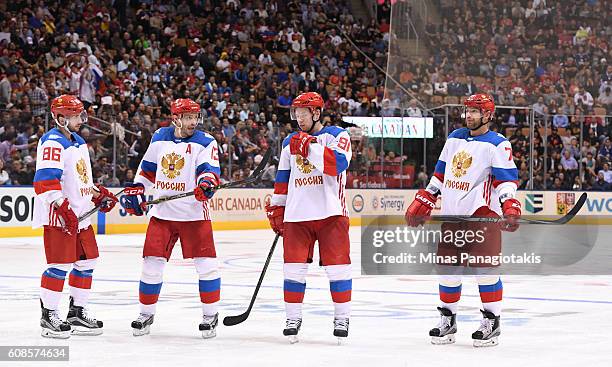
(313, 124)
(65, 125)
(179, 128)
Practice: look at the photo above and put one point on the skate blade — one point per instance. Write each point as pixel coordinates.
(55, 334)
(441, 340)
(292, 339)
(140, 332)
(208, 334)
(341, 340)
(486, 343)
(85, 331)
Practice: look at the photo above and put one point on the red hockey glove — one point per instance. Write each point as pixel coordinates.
(204, 190)
(276, 215)
(299, 143)
(512, 212)
(69, 220)
(106, 199)
(418, 211)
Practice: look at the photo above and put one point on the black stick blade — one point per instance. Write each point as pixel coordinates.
(235, 320)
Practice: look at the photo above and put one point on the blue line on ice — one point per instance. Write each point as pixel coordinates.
(326, 289)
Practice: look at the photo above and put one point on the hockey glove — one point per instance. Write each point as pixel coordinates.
(106, 199)
(420, 208)
(300, 142)
(512, 212)
(276, 215)
(68, 219)
(135, 202)
(204, 189)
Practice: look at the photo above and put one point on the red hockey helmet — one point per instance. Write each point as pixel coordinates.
(483, 102)
(66, 105)
(184, 105)
(311, 100)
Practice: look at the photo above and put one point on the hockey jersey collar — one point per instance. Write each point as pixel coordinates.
(57, 135)
(332, 130)
(489, 137)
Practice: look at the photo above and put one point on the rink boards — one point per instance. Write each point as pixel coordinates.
(235, 209)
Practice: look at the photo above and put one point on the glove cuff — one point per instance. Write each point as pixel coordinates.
(505, 197)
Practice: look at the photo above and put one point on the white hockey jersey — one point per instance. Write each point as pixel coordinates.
(474, 171)
(63, 170)
(313, 188)
(174, 165)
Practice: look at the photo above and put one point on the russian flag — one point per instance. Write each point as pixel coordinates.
(98, 78)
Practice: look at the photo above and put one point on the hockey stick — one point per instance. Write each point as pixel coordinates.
(254, 177)
(563, 220)
(235, 320)
(95, 209)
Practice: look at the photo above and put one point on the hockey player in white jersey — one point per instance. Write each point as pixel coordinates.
(65, 190)
(179, 159)
(309, 205)
(474, 176)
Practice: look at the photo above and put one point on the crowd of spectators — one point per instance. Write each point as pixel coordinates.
(244, 62)
(551, 56)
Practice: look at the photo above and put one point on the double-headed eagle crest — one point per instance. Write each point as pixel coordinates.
(461, 163)
(172, 164)
(81, 168)
(303, 165)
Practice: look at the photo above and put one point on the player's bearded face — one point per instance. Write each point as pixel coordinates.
(472, 117)
(189, 122)
(74, 122)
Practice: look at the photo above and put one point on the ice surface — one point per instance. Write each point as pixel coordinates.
(546, 321)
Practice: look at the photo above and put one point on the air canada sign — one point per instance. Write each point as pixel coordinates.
(239, 203)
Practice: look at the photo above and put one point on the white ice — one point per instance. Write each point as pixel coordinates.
(546, 321)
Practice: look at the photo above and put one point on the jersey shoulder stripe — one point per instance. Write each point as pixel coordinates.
(167, 134)
(55, 135)
(287, 139)
(163, 134)
(331, 130)
(461, 133)
(78, 139)
(490, 137)
(200, 137)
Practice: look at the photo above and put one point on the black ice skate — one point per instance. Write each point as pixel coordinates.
(291, 330)
(82, 322)
(488, 332)
(341, 326)
(445, 332)
(52, 326)
(208, 326)
(142, 325)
